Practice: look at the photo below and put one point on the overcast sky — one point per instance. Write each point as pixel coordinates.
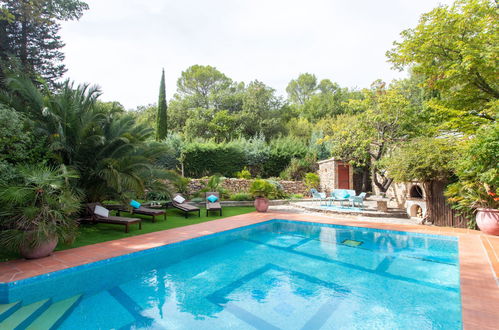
(121, 45)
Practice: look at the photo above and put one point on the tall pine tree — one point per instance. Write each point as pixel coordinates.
(162, 118)
(29, 36)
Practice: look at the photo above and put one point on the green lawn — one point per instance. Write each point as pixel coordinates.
(96, 233)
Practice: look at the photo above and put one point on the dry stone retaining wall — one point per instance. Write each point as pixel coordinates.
(243, 185)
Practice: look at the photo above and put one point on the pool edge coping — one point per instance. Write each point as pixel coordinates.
(478, 282)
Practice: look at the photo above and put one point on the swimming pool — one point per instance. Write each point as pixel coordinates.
(277, 274)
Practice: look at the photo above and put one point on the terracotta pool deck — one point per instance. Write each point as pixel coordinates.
(478, 256)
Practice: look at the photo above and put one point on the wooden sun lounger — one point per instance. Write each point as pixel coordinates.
(111, 219)
(151, 212)
(186, 208)
(213, 206)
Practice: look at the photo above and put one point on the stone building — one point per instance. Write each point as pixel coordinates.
(335, 174)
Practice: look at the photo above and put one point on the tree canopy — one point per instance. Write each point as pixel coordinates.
(455, 49)
(29, 36)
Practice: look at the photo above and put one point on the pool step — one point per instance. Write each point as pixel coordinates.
(6, 310)
(24, 315)
(55, 314)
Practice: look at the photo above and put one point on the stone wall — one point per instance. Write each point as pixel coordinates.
(243, 185)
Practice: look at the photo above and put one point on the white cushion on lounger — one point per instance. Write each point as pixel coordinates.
(179, 199)
(102, 211)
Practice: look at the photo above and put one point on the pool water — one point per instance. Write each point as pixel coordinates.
(275, 275)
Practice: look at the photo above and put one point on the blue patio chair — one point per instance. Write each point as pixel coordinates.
(317, 196)
(358, 200)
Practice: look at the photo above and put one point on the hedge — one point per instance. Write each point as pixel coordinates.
(205, 158)
(202, 159)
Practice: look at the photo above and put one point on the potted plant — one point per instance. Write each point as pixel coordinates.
(36, 212)
(476, 192)
(261, 190)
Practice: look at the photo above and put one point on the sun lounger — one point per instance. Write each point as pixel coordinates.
(185, 207)
(111, 219)
(213, 206)
(150, 212)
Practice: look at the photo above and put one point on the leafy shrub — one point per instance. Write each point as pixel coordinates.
(41, 207)
(241, 197)
(173, 146)
(256, 152)
(312, 180)
(157, 196)
(206, 158)
(478, 174)
(202, 158)
(262, 188)
(17, 142)
(296, 196)
(278, 192)
(181, 184)
(244, 174)
(282, 150)
(298, 167)
(215, 184)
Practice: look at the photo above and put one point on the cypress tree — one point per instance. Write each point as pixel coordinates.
(162, 119)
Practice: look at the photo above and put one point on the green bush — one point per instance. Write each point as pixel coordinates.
(207, 158)
(243, 174)
(298, 167)
(296, 196)
(312, 180)
(241, 197)
(478, 174)
(262, 188)
(41, 207)
(214, 184)
(278, 192)
(282, 150)
(181, 184)
(169, 158)
(260, 159)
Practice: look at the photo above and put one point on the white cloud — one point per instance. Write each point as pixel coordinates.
(122, 45)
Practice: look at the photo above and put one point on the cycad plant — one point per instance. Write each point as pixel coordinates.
(108, 149)
(39, 208)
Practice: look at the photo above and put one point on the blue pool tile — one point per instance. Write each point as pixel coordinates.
(277, 274)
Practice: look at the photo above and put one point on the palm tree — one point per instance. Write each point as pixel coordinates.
(38, 209)
(110, 151)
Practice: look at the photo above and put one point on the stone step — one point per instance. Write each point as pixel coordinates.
(21, 318)
(55, 314)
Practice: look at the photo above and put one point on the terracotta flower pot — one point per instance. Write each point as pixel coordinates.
(488, 221)
(43, 250)
(261, 204)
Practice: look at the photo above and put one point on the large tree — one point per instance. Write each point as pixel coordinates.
(201, 84)
(426, 159)
(162, 118)
(455, 49)
(381, 119)
(302, 88)
(29, 35)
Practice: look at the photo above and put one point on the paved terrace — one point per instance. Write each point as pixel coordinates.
(478, 254)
